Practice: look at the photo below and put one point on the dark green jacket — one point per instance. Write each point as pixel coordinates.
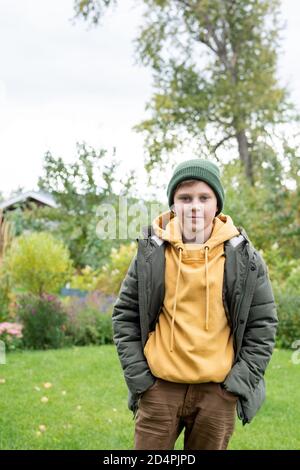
(248, 302)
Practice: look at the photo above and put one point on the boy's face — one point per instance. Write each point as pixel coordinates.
(195, 204)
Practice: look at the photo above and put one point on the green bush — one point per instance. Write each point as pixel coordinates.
(293, 280)
(280, 267)
(44, 321)
(89, 319)
(288, 306)
(105, 328)
(285, 277)
(90, 327)
(38, 263)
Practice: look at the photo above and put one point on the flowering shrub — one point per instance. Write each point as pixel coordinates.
(89, 319)
(11, 334)
(43, 319)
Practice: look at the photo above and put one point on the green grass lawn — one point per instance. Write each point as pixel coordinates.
(87, 403)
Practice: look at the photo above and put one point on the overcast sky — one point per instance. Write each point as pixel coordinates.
(62, 83)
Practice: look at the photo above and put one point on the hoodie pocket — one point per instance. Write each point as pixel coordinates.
(147, 342)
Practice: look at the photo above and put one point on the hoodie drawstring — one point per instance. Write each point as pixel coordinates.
(175, 300)
(206, 248)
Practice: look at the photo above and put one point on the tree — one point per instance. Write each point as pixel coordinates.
(79, 188)
(214, 67)
(81, 184)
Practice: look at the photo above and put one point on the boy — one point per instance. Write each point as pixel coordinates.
(195, 320)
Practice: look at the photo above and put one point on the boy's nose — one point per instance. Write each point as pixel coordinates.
(197, 207)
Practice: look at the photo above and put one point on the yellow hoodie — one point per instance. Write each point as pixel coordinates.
(192, 341)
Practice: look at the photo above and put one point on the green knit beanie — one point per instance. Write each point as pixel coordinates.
(197, 169)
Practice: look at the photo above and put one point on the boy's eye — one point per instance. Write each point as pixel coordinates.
(187, 198)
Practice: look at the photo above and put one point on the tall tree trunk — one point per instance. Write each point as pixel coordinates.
(245, 156)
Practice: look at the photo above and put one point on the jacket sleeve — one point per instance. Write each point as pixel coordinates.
(258, 340)
(127, 334)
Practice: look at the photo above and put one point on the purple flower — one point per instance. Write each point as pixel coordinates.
(50, 298)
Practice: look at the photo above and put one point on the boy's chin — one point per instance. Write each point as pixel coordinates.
(194, 237)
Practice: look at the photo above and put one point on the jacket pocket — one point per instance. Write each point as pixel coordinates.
(149, 389)
(226, 394)
(250, 406)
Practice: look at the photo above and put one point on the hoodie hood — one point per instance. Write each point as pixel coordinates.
(167, 227)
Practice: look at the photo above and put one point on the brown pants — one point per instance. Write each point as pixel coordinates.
(205, 410)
